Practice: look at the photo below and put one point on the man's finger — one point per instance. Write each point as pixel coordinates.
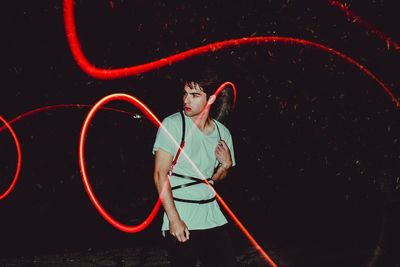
(182, 238)
(187, 233)
(179, 237)
(224, 145)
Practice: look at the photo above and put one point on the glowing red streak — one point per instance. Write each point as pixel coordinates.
(217, 92)
(244, 230)
(357, 19)
(38, 110)
(60, 106)
(103, 212)
(222, 202)
(17, 145)
(69, 21)
(222, 86)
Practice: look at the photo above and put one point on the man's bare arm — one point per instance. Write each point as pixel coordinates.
(223, 155)
(163, 162)
(220, 173)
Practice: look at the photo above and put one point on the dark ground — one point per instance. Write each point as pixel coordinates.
(156, 256)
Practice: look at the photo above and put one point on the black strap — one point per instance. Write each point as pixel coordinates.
(186, 177)
(182, 140)
(219, 133)
(183, 127)
(195, 201)
(196, 181)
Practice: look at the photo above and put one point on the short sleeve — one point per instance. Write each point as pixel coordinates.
(167, 136)
(229, 142)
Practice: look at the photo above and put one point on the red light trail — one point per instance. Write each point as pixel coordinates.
(60, 106)
(359, 20)
(7, 125)
(17, 145)
(103, 212)
(100, 73)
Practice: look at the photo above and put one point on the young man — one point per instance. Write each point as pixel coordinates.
(193, 224)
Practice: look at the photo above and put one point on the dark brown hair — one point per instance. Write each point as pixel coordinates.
(209, 82)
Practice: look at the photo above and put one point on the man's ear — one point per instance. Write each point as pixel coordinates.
(211, 99)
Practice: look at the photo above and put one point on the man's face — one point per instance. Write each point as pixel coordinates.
(194, 99)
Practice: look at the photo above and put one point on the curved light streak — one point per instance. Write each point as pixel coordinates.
(222, 87)
(17, 145)
(82, 166)
(7, 125)
(359, 20)
(99, 73)
(59, 106)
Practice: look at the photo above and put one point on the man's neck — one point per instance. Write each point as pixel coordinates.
(202, 121)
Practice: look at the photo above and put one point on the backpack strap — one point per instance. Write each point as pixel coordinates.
(183, 127)
(182, 140)
(219, 133)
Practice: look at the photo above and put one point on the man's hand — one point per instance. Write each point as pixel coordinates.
(179, 230)
(223, 154)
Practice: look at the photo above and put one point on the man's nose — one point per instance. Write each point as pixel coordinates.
(186, 100)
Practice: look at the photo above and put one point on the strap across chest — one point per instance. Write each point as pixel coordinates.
(194, 180)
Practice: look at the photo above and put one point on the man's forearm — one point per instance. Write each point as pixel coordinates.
(165, 193)
(221, 173)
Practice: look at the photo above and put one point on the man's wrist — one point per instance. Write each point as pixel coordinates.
(173, 217)
(225, 166)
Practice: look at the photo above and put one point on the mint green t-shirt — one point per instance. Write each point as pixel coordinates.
(199, 148)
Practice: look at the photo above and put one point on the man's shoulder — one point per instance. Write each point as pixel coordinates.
(173, 118)
(221, 126)
(173, 121)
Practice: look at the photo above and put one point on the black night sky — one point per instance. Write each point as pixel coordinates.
(317, 180)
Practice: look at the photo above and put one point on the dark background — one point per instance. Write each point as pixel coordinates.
(316, 140)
